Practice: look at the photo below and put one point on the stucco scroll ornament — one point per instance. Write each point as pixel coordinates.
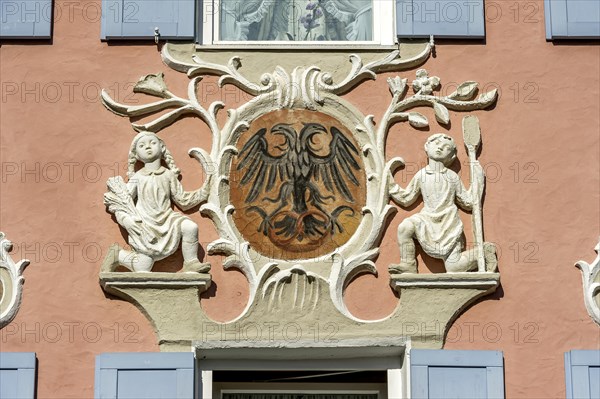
(11, 282)
(143, 207)
(591, 285)
(299, 115)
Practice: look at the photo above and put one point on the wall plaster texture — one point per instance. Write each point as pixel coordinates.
(540, 208)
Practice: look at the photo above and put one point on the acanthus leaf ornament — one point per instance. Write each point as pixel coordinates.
(11, 282)
(590, 274)
(153, 85)
(306, 96)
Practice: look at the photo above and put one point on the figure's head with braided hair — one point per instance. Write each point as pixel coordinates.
(148, 147)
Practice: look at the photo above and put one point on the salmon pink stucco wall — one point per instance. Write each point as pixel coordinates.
(541, 143)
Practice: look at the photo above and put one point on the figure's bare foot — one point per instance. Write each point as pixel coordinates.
(195, 266)
(403, 267)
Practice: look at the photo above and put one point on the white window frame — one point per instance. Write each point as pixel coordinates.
(384, 30)
(346, 355)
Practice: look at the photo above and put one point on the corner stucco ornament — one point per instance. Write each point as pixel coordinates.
(590, 274)
(11, 282)
(291, 147)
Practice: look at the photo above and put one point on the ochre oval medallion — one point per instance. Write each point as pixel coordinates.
(298, 184)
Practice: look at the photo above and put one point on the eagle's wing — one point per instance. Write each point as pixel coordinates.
(261, 168)
(336, 168)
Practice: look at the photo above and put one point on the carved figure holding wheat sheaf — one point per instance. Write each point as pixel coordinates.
(143, 208)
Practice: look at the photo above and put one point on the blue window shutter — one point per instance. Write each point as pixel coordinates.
(17, 375)
(448, 374)
(440, 18)
(137, 19)
(574, 19)
(144, 375)
(582, 372)
(25, 19)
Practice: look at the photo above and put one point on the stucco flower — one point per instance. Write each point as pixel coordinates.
(424, 84)
(153, 84)
(397, 85)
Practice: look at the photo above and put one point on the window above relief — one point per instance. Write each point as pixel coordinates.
(297, 22)
(291, 23)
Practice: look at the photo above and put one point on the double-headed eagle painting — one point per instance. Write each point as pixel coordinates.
(301, 185)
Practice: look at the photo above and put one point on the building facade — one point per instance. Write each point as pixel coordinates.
(345, 199)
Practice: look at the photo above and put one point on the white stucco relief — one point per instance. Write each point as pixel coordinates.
(437, 227)
(143, 208)
(11, 282)
(590, 274)
(310, 88)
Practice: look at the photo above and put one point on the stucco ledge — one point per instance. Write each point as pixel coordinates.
(482, 281)
(111, 281)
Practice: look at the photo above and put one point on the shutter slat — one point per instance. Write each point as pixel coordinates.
(145, 375)
(445, 374)
(25, 19)
(440, 18)
(572, 19)
(137, 19)
(17, 375)
(582, 374)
